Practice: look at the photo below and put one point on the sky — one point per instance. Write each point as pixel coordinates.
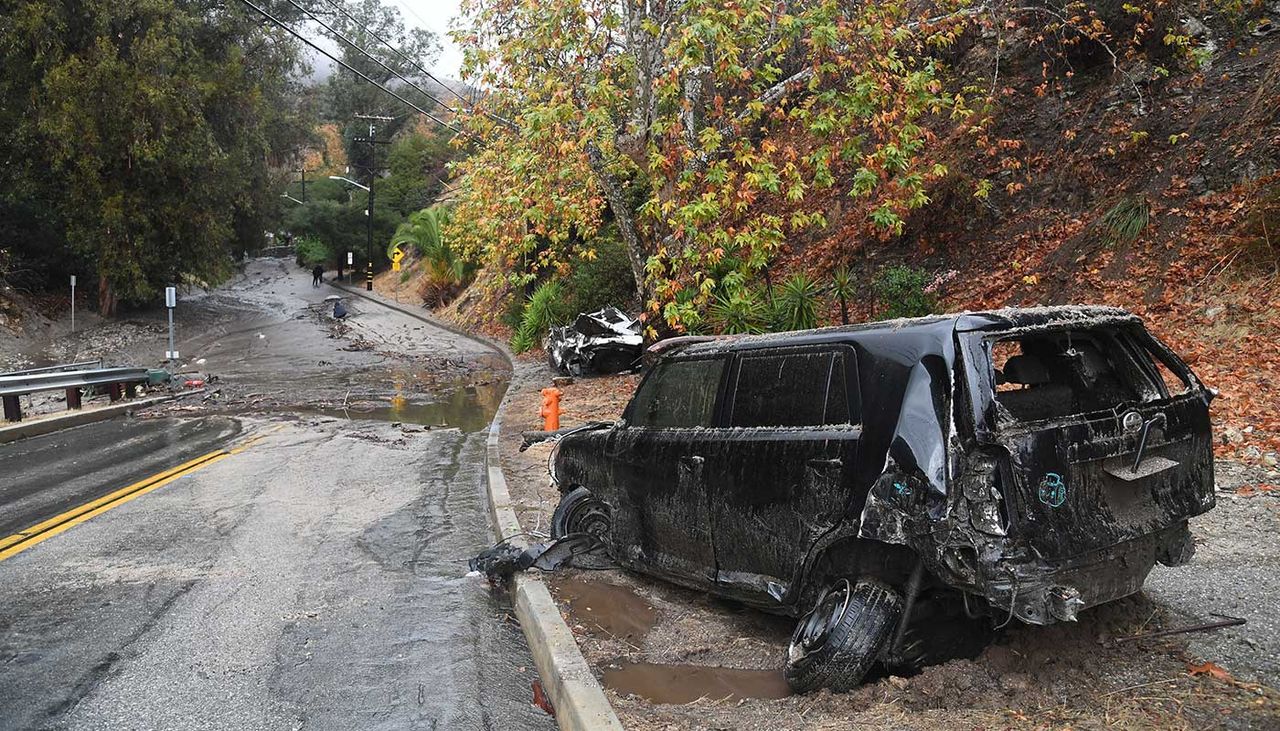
(434, 15)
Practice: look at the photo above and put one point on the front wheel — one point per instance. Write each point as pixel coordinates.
(835, 644)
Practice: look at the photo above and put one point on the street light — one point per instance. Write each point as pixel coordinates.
(295, 200)
(368, 212)
(365, 188)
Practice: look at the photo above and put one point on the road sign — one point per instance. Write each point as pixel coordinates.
(350, 258)
(396, 256)
(170, 296)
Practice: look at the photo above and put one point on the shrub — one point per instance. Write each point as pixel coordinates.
(900, 292)
(545, 307)
(311, 251)
(739, 311)
(603, 280)
(1126, 220)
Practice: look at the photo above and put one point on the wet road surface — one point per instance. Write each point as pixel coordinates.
(313, 580)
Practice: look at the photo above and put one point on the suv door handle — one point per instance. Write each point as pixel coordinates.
(825, 462)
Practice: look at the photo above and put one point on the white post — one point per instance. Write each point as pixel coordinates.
(351, 260)
(171, 301)
(73, 304)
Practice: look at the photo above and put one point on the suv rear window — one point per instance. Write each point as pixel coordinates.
(791, 390)
(1055, 374)
(678, 394)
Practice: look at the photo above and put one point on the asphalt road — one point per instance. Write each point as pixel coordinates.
(314, 579)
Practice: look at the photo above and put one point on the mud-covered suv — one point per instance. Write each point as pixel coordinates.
(1019, 464)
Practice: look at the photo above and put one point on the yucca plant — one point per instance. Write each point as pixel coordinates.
(739, 311)
(842, 286)
(796, 303)
(544, 308)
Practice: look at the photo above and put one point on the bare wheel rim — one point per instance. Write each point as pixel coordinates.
(814, 629)
(588, 516)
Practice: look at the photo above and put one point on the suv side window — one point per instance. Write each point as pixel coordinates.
(791, 390)
(679, 394)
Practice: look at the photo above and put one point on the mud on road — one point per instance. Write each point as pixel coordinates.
(673, 658)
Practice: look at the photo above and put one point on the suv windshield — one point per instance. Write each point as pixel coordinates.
(1060, 373)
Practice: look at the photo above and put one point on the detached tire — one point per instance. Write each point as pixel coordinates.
(835, 644)
(580, 511)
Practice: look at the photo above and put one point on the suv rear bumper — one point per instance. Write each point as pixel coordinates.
(1039, 591)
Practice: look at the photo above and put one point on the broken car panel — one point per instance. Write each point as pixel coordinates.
(1023, 463)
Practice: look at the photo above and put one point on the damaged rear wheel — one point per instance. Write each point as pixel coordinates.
(580, 511)
(835, 644)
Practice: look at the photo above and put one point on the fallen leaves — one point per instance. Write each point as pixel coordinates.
(1260, 489)
(1213, 670)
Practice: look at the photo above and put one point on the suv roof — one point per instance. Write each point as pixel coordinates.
(934, 326)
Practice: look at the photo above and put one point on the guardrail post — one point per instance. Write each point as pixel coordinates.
(73, 397)
(115, 392)
(12, 409)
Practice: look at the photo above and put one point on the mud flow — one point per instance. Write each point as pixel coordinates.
(679, 684)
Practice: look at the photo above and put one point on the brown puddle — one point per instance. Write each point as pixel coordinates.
(601, 606)
(687, 683)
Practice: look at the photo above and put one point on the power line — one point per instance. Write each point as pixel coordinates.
(337, 5)
(349, 67)
(371, 57)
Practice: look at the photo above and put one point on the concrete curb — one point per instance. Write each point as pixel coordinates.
(575, 693)
(69, 419)
(579, 701)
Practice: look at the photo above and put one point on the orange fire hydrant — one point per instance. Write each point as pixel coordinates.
(550, 408)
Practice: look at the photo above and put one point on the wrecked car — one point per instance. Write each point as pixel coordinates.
(875, 480)
(605, 341)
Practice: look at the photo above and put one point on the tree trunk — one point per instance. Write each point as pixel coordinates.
(622, 214)
(106, 298)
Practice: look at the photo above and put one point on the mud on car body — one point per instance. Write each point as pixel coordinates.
(1018, 464)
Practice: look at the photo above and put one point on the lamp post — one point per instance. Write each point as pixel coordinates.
(368, 212)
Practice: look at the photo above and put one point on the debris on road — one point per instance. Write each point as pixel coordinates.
(1204, 627)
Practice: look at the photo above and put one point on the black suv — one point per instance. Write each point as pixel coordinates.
(1015, 464)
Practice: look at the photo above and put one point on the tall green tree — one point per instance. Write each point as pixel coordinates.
(146, 128)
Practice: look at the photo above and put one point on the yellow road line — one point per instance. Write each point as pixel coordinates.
(44, 530)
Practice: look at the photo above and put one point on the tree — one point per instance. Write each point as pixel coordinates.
(682, 118)
(146, 127)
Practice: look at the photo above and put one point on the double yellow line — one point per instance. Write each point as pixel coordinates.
(43, 531)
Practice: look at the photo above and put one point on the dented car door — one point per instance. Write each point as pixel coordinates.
(779, 483)
(659, 456)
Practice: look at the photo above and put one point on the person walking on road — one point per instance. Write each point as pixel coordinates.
(317, 276)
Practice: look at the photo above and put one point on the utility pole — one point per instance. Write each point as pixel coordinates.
(373, 142)
(301, 154)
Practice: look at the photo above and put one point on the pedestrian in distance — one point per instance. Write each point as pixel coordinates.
(317, 276)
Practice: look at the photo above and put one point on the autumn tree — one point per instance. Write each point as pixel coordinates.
(686, 119)
(138, 135)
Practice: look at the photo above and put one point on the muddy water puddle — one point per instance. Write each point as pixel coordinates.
(678, 684)
(606, 609)
(470, 409)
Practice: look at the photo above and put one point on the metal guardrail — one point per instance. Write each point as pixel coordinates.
(80, 365)
(121, 383)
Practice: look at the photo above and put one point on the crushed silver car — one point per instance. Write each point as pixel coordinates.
(605, 341)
